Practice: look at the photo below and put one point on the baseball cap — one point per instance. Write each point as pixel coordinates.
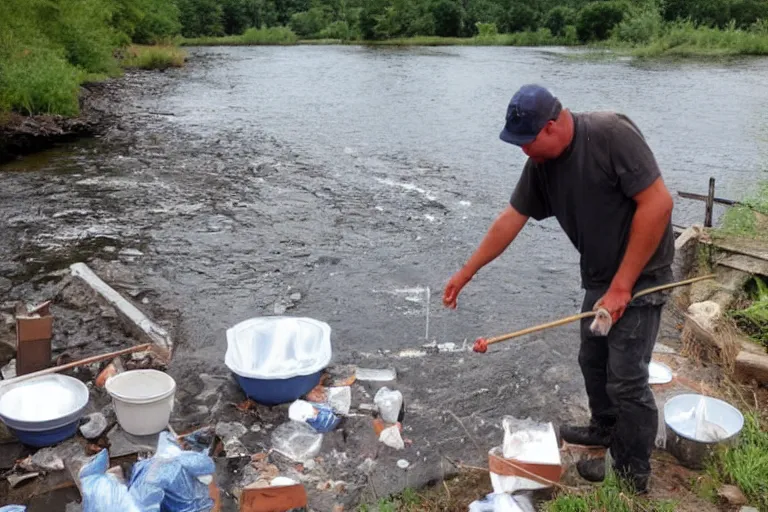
(529, 110)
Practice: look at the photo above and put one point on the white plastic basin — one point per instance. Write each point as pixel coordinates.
(278, 347)
(143, 400)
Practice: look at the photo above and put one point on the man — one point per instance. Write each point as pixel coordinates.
(595, 173)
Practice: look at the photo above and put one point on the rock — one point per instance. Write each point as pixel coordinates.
(340, 399)
(45, 460)
(752, 366)
(279, 308)
(14, 480)
(5, 285)
(230, 434)
(95, 426)
(705, 313)
(7, 351)
(368, 374)
(732, 495)
(121, 443)
(296, 296)
(297, 440)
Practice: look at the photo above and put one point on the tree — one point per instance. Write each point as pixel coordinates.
(449, 17)
(558, 18)
(596, 19)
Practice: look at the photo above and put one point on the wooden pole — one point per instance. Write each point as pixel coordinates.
(73, 364)
(710, 204)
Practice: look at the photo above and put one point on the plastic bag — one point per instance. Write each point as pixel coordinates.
(13, 508)
(503, 502)
(173, 480)
(389, 402)
(707, 431)
(297, 440)
(102, 490)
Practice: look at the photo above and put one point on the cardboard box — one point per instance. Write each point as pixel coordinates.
(34, 331)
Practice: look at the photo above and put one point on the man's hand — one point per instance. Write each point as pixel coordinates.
(614, 301)
(454, 286)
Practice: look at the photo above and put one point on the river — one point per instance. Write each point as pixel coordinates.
(361, 179)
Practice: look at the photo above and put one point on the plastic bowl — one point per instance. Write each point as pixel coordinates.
(43, 411)
(680, 422)
(277, 359)
(278, 391)
(143, 400)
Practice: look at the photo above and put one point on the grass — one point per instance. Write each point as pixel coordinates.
(745, 466)
(753, 319)
(252, 36)
(154, 57)
(610, 497)
(750, 219)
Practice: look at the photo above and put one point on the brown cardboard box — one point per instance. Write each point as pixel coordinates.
(34, 330)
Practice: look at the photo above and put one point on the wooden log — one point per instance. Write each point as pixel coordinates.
(137, 321)
(699, 197)
(751, 366)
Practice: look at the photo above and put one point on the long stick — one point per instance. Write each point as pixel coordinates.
(73, 364)
(588, 314)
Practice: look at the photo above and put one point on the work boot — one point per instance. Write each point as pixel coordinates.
(592, 470)
(587, 436)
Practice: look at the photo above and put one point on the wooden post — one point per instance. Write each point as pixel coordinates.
(710, 204)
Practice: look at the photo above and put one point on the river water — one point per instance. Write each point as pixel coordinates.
(361, 179)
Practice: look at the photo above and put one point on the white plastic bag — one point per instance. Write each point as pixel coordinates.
(503, 502)
(526, 441)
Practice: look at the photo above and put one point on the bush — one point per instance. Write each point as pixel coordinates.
(271, 35)
(337, 30)
(639, 26)
(39, 81)
(486, 30)
(154, 57)
(558, 18)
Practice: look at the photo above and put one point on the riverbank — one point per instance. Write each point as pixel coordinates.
(94, 96)
(681, 39)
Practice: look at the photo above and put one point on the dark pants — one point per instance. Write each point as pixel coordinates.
(615, 369)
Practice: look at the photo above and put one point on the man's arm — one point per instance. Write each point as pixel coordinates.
(654, 211)
(501, 233)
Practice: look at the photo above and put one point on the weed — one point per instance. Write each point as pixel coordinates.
(154, 57)
(611, 496)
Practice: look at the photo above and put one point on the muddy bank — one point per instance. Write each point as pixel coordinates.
(102, 106)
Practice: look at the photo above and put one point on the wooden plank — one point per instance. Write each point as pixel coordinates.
(699, 197)
(748, 264)
(137, 321)
(747, 246)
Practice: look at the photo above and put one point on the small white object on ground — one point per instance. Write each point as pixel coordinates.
(403, 464)
(340, 399)
(390, 436)
(369, 374)
(389, 403)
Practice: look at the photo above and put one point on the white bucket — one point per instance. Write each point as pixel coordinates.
(143, 400)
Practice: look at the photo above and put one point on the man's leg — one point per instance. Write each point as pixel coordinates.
(630, 347)
(593, 360)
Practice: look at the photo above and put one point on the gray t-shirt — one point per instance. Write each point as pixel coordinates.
(589, 189)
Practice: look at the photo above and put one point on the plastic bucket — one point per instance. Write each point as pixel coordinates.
(143, 400)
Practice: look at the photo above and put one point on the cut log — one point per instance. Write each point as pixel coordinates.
(751, 366)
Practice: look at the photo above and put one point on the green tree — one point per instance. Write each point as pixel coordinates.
(449, 18)
(161, 21)
(596, 19)
(558, 18)
(521, 17)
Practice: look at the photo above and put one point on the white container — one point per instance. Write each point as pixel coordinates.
(143, 400)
